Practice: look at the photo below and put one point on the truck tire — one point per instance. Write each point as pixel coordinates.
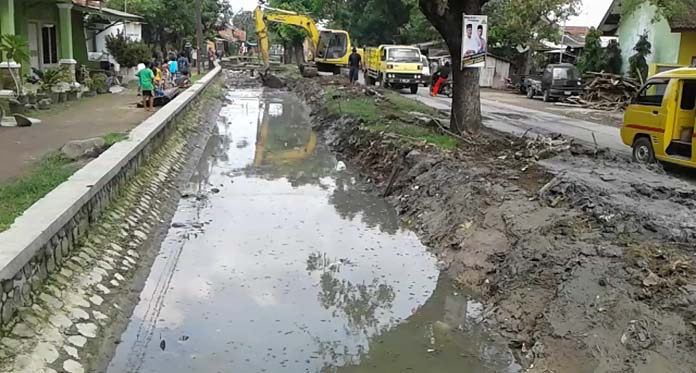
(383, 81)
(643, 151)
(530, 92)
(414, 89)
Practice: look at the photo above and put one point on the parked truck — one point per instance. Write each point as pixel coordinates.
(556, 81)
(395, 66)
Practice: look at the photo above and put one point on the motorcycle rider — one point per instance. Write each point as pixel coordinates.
(443, 75)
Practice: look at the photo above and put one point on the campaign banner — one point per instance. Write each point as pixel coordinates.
(474, 39)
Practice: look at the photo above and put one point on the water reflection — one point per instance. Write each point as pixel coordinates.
(293, 269)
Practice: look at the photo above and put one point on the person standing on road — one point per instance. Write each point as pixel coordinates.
(182, 64)
(355, 64)
(443, 75)
(146, 78)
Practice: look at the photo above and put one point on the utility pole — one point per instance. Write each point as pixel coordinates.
(199, 37)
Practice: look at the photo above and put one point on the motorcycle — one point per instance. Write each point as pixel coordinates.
(446, 88)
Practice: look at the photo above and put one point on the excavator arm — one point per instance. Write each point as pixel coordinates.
(284, 17)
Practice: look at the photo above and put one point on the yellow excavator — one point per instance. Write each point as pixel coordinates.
(329, 49)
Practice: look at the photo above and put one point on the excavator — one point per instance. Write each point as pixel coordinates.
(329, 49)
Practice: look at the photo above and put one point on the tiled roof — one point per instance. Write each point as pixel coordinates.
(685, 21)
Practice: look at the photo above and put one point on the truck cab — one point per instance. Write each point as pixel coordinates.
(659, 122)
(333, 50)
(556, 81)
(395, 66)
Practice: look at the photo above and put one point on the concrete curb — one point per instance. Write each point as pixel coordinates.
(35, 242)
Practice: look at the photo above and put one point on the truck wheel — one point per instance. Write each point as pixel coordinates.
(530, 92)
(383, 81)
(643, 151)
(414, 89)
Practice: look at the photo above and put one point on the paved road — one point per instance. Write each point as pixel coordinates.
(516, 119)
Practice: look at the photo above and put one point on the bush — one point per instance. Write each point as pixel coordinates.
(97, 81)
(51, 77)
(128, 53)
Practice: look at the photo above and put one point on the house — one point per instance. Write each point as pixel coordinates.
(673, 40)
(56, 30)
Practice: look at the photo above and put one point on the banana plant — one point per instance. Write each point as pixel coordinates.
(14, 48)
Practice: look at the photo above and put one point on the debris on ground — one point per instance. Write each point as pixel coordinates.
(574, 250)
(604, 91)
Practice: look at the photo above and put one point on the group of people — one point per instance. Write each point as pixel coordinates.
(154, 78)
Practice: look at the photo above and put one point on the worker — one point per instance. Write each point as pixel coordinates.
(443, 75)
(355, 64)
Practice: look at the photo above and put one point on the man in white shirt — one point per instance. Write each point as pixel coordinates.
(471, 44)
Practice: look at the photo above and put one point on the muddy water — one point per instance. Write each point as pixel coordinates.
(277, 262)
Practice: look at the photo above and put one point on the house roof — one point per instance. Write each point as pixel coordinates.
(108, 13)
(682, 22)
(685, 21)
(576, 30)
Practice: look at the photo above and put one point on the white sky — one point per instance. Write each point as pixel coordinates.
(590, 15)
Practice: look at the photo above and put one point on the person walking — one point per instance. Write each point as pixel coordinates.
(182, 64)
(443, 75)
(355, 64)
(146, 79)
(173, 68)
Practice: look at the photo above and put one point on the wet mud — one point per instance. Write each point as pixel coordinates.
(279, 258)
(583, 261)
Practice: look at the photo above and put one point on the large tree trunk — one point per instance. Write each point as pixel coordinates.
(447, 17)
(298, 48)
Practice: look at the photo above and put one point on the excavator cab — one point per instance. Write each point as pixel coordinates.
(333, 50)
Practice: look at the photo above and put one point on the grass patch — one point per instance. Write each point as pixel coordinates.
(18, 195)
(114, 137)
(389, 115)
(417, 133)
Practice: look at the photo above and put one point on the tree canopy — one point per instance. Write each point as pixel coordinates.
(171, 21)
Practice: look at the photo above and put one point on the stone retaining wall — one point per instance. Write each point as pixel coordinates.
(39, 240)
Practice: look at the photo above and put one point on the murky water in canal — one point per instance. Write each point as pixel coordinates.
(277, 262)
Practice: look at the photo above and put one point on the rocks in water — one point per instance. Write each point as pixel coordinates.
(83, 148)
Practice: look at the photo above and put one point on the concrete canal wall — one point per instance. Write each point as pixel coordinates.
(44, 236)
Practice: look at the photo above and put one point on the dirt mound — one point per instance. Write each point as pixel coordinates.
(585, 261)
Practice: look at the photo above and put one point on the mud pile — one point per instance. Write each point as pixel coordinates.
(586, 262)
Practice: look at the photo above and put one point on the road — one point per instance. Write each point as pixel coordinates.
(518, 120)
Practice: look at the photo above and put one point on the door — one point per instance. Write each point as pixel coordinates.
(33, 36)
(649, 112)
(685, 117)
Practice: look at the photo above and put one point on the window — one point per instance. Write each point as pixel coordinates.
(565, 73)
(653, 93)
(49, 46)
(404, 55)
(688, 99)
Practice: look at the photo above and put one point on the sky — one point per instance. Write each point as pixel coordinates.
(590, 15)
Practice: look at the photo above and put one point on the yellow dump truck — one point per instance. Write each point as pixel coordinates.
(395, 66)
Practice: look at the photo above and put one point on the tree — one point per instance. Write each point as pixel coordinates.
(446, 17)
(526, 23)
(591, 59)
(664, 8)
(171, 22)
(418, 29)
(127, 52)
(638, 65)
(611, 58)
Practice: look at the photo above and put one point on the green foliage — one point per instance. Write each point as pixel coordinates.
(15, 48)
(127, 52)
(114, 137)
(591, 59)
(369, 22)
(172, 22)
(51, 77)
(611, 58)
(664, 8)
(418, 29)
(98, 81)
(526, 22)
(638, 65)
(16, 196)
